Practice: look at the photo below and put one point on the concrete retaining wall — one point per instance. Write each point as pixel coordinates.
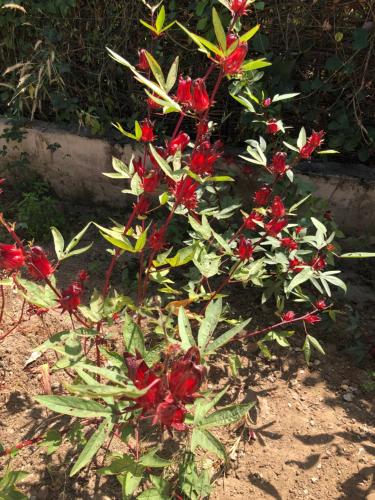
(75, 170)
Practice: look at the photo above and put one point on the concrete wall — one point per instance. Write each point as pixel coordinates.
(75, 170)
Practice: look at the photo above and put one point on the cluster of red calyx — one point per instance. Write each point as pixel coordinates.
(71, 297)
(170, 385)
(313, 142)
(262, 196)
(157, 239)
(12, 258)
(278, 221)
(238, 7)
(193, 95)
(204, 157)
(250, 221)
(185, 192)
(232, 63)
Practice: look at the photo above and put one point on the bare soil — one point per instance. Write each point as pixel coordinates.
(313, 427)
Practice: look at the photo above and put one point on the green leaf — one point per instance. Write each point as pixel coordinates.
(226, 416)
(357, 255)
(184, 328)
(129, 483)
(133, 336)
(208, 442)
(335, 281)
(160, 19)
(249, 34)
(301, 141)
(219, 30)
(172, 75)
(319, 226)
(307, 349)
(74, 406)
(154, 88)
(156, 70)
(316, 344)
(203, 229)
(41, 296)
(141, 241)
(58, 242)
(77, 238)
(209, 323)
(253, 65)
(110, 374)
(103, 391)
(225, 337)
(300, 278)
(163, 164)
(202, 43)
(202, 406)
(152, 460)
(52, 441)
(92, 447)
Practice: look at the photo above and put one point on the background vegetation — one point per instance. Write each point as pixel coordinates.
(54, 65)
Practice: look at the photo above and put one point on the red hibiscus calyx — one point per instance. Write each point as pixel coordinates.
(12, 257)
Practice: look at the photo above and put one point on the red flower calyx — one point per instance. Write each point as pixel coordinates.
(277, 208)
(204, 157)
(12, 258)
(37, 263)
(179, 143)
(185, 193)
(147, 131)
(200, 100)
(143, 62)
(238, 7)
(262, 196)
(232, 63)
(245, 249)
(71, 297)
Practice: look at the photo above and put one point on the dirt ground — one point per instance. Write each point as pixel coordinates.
(313, 427)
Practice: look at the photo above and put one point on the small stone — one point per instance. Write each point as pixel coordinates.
(344, 387)
(348, 397)
(317, 362)
(305, 492)
(289, 405)
(314, 480)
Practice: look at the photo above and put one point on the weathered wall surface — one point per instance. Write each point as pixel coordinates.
(75, 170)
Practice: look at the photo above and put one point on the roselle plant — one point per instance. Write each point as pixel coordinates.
(154, 382)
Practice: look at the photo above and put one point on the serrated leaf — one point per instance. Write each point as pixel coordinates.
(163, 164)
(226, 416)
(209, 323)
(225, 337)
(74, 406)
(208, 442)
(93, 445)
(172, 75)
(133, 336)
(156, 69)
(102, 390)
(184, 329)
